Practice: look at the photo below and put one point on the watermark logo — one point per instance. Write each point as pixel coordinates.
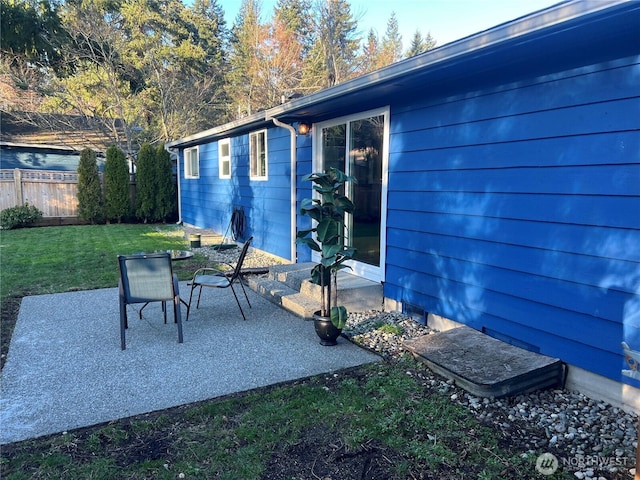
(596, 462)
(547, 464)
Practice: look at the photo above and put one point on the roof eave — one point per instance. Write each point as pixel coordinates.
(219, 131)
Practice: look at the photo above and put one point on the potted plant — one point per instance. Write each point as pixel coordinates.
(327, 237)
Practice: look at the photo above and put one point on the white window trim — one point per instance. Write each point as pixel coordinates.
(188, 171)
(377, 274)
(266, 157)
(222, 160)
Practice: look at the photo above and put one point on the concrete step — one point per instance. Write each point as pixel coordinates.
(290, 287)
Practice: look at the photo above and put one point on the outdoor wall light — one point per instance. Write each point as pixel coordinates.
(303, 128)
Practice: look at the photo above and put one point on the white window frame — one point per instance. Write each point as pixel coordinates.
(224, 160)
(192, 165)
(255, 154)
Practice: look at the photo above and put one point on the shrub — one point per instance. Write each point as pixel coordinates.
(90, 200)
(155, 187)
(146, 188)
(19, 216)
(116, 185)
(166, 196)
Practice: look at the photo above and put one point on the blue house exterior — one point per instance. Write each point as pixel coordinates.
(498, 184)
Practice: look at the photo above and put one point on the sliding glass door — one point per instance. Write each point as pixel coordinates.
(357, 145)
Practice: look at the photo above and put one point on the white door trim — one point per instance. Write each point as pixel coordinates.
(371, 272)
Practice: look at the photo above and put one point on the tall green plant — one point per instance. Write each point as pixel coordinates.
(146, 184)
(90, 199)
(116, 185)
(166, 195)
(327, 237)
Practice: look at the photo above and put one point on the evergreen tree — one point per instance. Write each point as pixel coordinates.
(26, 30)
(334, 54)
(90, 200)
(116, 185)
(146, 184)
(296, 16)
(166, 195)
(391, 48)
(247, 34)
(419, 44)
(370, 53)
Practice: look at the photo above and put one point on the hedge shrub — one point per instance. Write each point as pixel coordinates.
(19, 216)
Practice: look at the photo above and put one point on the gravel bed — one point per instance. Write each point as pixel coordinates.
(255, 258)
(590, 438)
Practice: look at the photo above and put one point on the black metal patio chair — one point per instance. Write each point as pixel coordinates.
(146, 278)
(214, 278)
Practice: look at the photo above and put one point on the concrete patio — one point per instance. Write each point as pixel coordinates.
(65, 368)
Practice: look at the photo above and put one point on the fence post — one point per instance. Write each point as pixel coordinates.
(17, 180)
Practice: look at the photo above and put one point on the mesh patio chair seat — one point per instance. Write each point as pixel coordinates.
(146, 278)
(214, 278)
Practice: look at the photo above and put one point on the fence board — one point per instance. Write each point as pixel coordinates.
(55, 193)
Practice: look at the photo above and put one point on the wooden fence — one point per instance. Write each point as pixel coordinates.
(55, 193)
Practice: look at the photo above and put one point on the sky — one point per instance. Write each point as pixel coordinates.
(446, 20)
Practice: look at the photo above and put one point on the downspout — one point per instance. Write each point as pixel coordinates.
(293, 181)
(177, 152)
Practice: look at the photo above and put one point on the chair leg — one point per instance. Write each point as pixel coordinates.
(190, 297)
(238, 302)
(123, 324)
(178, 318)
(199, 294)
(176, 308)
(245, 292)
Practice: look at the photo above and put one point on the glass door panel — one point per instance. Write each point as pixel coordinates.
(334, 147)
(365, 164)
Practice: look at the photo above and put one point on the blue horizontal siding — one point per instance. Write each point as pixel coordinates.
(614, 147)
(209, 201)
(517, 209)
(477, 307)
(591, 179)
(550, 263)
(556, 91)
(618, 244)
(607, 211)
(477, 274)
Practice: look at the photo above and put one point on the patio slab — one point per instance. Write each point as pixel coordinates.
(65, 369)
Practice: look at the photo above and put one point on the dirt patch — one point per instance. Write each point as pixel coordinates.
(8, 316)
(320, 453)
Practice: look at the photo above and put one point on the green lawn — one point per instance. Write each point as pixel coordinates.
(380, 421)
(60, 259)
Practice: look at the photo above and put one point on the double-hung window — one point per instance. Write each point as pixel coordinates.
(191, 162)
(258, 155)
(224, 158)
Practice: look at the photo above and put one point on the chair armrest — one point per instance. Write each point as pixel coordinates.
(214, 271)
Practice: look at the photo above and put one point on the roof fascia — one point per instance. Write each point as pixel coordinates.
(38, 146)
(224, 130)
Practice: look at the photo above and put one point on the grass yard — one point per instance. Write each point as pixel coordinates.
(61, 259)
(384, 421)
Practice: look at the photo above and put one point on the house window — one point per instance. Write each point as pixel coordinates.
(224, 158)
(258, 155)
(191, 163)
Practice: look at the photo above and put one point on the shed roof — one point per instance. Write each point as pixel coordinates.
(567, 35)
(53, 131)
